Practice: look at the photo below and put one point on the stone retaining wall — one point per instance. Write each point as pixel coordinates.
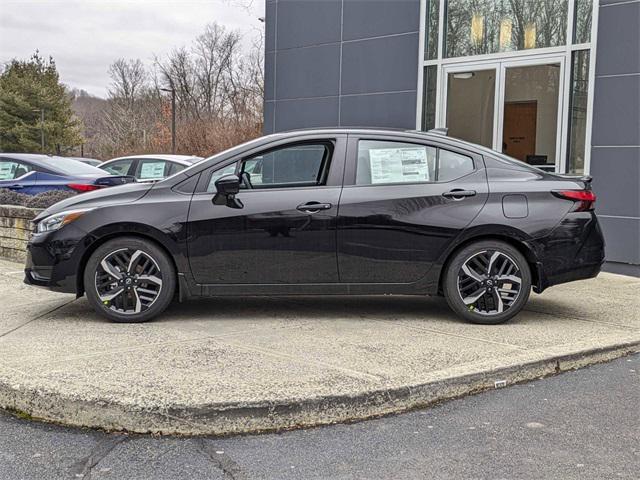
(15, 229)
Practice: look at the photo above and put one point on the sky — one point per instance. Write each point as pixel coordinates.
(85, 36)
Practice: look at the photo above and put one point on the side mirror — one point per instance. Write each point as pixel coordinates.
(227, 187)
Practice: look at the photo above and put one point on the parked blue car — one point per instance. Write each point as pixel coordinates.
(33, 173)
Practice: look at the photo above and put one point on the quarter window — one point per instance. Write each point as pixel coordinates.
(386, 162)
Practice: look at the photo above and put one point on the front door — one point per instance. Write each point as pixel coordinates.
(402, 204)
(282, 229)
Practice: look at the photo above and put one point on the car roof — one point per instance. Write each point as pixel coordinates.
(183, 159)
(35, 158)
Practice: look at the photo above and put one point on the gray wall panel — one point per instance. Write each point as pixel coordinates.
(366, 18)
(616, 177)
(270, 27)
(616, 116)
(622, 237)
(268, 126)
(396, 110)
(308, 72)
(308, 22)
(269, 73)
(619, 27)
(381, 64)
(292, 114)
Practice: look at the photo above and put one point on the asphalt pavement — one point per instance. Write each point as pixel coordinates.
(583, 424)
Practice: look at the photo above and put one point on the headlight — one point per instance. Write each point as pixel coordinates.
(58, 220)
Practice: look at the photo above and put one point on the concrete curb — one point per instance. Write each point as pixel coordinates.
(228, 419)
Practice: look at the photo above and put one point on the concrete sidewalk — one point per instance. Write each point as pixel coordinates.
(244, 365)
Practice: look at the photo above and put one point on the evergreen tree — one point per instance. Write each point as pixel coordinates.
(27, 88)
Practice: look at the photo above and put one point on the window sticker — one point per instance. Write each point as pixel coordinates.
(152, 170)
(399, 165)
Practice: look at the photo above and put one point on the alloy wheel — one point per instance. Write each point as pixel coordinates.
(489, 282)
(128, 281)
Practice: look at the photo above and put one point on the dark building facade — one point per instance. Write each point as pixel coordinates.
(552, 83)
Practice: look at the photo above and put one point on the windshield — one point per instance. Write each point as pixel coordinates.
(72, 167)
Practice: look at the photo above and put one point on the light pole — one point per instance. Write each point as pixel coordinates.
(173, 117)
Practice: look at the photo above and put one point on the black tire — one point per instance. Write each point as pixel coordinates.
(463, 287)
(145, 291)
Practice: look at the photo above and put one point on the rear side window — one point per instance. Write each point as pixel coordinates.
(386, 162)
(152, 169)
(120, 167)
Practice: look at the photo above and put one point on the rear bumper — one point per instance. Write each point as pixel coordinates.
(575, 250)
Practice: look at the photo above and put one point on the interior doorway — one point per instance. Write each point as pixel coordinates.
(519, 133)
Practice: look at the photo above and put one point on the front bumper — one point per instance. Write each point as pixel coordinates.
(54, 258)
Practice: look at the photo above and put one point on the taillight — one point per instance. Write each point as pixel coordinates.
(585, 199)
(83, 187)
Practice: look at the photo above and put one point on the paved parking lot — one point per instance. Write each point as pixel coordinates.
(244, 365)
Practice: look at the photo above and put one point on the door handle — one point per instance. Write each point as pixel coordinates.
(313, 207)
(15, 186)
(459, 194)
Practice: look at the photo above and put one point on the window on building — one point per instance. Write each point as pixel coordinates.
(582, 21)
(429, 83)
(431, 29)
(475, 27)
(578, 111)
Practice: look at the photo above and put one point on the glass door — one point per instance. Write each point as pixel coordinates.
(530, 124)
(512, 106)
(471, 103)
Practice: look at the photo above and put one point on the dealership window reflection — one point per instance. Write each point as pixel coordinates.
(476, 27)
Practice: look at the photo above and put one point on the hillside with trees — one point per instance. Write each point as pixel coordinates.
(219, 93)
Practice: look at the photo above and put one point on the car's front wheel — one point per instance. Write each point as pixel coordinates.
(129, 279)
(487, 282)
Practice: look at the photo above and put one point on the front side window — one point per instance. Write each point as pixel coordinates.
(11, 169)
(302, 165)
(120, 167)
(387, 162)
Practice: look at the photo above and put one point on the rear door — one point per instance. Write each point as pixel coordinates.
(283, 230)
(403, 202)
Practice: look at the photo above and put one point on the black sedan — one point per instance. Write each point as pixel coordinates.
(335, 211)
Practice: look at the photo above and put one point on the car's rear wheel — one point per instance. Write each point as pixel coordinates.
(129, 279)
(487, 282)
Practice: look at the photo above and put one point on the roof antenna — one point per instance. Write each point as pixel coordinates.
(439, 131)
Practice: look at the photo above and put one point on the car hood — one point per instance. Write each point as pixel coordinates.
(99, 198)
